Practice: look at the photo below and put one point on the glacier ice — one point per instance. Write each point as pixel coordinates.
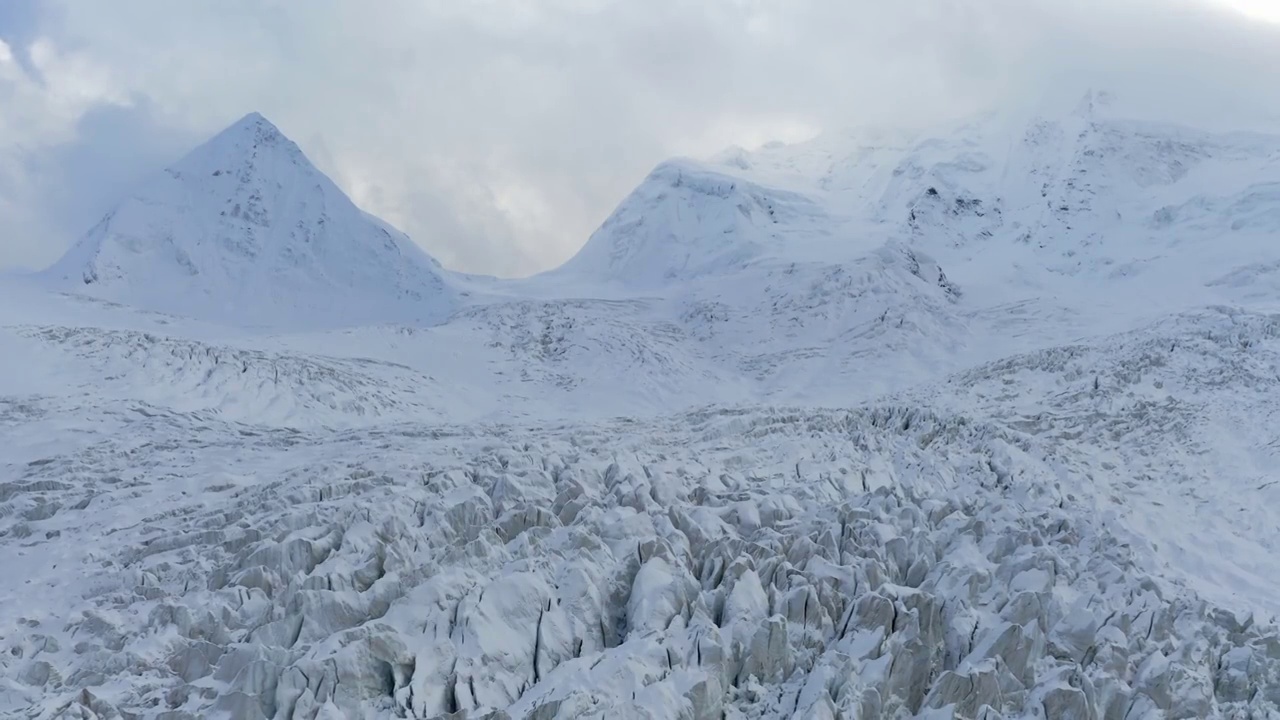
(974, 424)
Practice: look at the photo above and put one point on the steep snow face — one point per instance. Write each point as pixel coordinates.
(245, 230)
(1086, 196)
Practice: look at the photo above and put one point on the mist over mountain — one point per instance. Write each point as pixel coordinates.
(965, 423)
(244, 229)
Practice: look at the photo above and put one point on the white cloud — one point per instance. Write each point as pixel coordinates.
(498, 133)
(1265, 10)
(41, 105)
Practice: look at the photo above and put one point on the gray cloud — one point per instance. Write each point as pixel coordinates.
(499, 133)
(19, 22)
(114, 147)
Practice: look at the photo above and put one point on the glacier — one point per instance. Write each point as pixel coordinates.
(971, 423)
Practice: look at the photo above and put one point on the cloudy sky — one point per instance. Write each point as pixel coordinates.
(499, 133)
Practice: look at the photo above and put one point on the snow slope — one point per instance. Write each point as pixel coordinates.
(1091, 195)
(245, 230)
(972, 424)
(686, 221)
(1166, 421)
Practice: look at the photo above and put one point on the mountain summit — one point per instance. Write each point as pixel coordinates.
(245, 230)
(687, 221)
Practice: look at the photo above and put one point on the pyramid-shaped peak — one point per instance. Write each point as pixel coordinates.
(254, 124)
(254, 118)
(245, 229)
(245, 140)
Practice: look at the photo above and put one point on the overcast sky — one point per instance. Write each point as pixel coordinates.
(500, 133)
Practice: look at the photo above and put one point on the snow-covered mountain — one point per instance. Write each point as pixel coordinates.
(767, 281)
(974, 423)
(687, 221)
(1090, 194)
(246, 230)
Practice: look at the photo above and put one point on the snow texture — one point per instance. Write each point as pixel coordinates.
(972, 424)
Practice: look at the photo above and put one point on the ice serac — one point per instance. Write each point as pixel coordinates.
(687, 220)
(244, 230)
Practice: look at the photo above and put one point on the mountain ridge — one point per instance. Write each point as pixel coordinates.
(921, 443)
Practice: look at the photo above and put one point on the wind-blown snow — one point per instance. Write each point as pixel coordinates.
(975, 424)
